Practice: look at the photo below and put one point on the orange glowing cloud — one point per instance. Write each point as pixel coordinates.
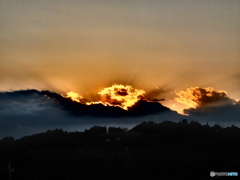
(123, 96)
(120, 95)
(194, 97)
(74, 96)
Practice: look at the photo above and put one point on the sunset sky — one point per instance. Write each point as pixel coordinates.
(81, 46)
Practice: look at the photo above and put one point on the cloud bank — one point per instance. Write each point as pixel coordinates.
(27, 112)
(207, 104)
(31, 111)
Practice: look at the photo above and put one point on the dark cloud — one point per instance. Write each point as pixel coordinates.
(230, 110)
(122, 92)
(223, 115)
(156, 94)
(207, 104)
(141, 108)
(208, 97)
(30, 111)
(197, 96)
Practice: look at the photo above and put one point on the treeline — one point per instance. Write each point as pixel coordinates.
(167, 150)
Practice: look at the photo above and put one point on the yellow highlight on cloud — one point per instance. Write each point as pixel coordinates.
(123, 96)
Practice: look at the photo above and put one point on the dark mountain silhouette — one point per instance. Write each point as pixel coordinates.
(166, 150)
(141, 108)
(28, 112)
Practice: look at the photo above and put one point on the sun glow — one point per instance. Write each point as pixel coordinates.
(120, 95)
(123, 96)
(74, 96)
(197, 96)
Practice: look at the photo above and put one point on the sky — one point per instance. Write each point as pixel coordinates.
(81, 46)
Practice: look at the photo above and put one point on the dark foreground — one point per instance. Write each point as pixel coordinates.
(149, 151)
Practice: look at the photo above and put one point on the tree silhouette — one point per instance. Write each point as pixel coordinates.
(167, 150)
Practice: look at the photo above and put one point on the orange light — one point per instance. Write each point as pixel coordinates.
(120, 95)
(196, 96)
(74, 96)
(123, 96)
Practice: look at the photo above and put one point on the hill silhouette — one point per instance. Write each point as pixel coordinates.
(141, 108)
(26, 112)
(166, 150)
